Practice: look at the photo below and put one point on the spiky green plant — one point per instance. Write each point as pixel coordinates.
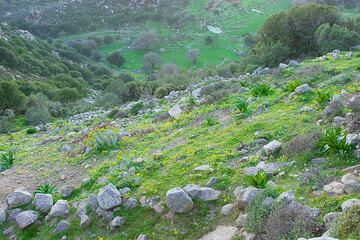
(259, 180)
(322, 97)
(242, 105)
(106, 140)
(47, 188)
(210, 122)
(192, 101)
(6, 161)
(260, 90)
(292, 85)
(334, 141)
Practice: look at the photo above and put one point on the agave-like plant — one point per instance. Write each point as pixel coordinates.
(6, 161)
(106, 140)
(47, 188)
(334, 140)
(259, 180)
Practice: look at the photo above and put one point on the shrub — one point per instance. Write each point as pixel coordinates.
(108, 100)
(261, 90)
(116, 58)
(259, 180)
(5, 125)
(192, 101)
(6, 161)
(108, 39)
(67, 95)
(290, 221)
(146, 40)
(134, 110)
(292, 85)
(193, 55)
(257, 213)
(333, 141)
(36, 116)
(31, 131)
(334, 37)
(349, 227)
(47, 188)
(164, 90)
(209, 40)
(301, 144)
(242, 105)
(150, 61)
(10, 95)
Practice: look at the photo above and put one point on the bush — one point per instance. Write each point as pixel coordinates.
(322, 97)
(134, 110)
(6, 161)
(36, 116)
(108, 39)
(259, 180)
(261, 90)
(150, 61)
(302, 144)
(31, 131)
(108, 100)
(116, 59)
(257, 213)
(67, 95)
(164, 90)
(334, 37)
(349, 227)
(146, 40)
(290, 221)
(193, 55)
(209, 40)
(11, 96)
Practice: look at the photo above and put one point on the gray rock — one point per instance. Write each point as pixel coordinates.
(286, 197)
(13, 214)
(227, 209)
(305, 88)
(247, 195)
(124, 191)
(142, 237)
(349, 203)
(18, 198)
(26, 218)
(272, 147)
(335, 188)
(175, 112)
(62, 226)
(293, 63)
(318, 161)
(211, 182)
(208, 194)
(9, 232)
(103, 181)
(117, 222)
(2, 215)
(282, 66)
(336, 54)
(67, 191)
(85, 221)
(204, 168)
(269, 168)
(130, 203)
(108, 215)
(178, 200)
(60, 209)
(241, 220)
(267, 202)
(352, 188)
(330, 218)
(109, 197)
(94, 205)
(221, 233)
(339, 121)
(43, 202)
(192, 190)
(353, 139)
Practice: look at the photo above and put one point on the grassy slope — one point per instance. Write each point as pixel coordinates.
(216, 145)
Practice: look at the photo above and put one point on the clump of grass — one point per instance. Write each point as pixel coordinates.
(334, 141)
(31, 131)
(47, 188)
(210, 121)
(292, 85)
(192, 102)
(242, 105)
(259, 180)
(136, 108)
(245, 84)
(260, 90)
(6, 161)
(322, 97)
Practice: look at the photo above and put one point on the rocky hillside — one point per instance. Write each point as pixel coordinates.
(268, 155)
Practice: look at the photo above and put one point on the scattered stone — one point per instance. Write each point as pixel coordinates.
(60, 209)
(211, 182)
(227, 209)
(158, 208)
(117, 222)
(62, 226)
(241, 220)
(208, 194)
(175, 112)
(109, 197)
(130, 203)
(85, 221)
(272, 147)
(26, 218)
(18, 198)
(330, 218)
(192, 190)
(248, 236)
(104, 213)
(13, 214)
(247, 195)
(349, 203)
(293, 63)
(286, 197)
(204, 168)
(282, 66)
(318, 161)
(9, 232)
(103, 181)
(43, 202)
(334, 188)
(94, 205)
(305, 88)
(178, 200)
(2, 215)
(142, 237)
(221, 233)
(269, 168)
(124, 191)
(339, 121)
(67, 191)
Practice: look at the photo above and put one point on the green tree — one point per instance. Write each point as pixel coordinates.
(116, 59)
(10, 95)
